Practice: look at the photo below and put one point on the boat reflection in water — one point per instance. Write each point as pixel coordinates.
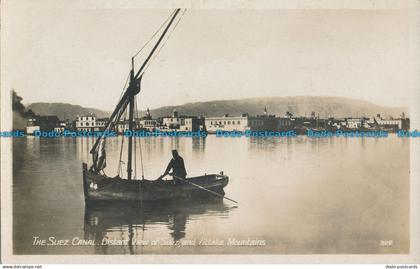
(122, 227)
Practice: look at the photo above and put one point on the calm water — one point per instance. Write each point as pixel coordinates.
(300, 195)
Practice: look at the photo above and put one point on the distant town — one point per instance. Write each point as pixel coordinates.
(244, 122)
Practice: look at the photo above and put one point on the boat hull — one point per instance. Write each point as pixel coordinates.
(99, 188)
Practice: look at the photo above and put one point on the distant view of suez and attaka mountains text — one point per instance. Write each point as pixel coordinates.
(278, 116)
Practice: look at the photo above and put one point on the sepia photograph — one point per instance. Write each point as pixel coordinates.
(185, 130)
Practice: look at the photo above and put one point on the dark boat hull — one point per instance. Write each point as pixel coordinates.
(99, 188)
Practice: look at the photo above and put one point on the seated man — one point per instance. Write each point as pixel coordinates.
(177, 166)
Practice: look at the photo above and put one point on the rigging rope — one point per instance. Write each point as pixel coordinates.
(135, 145)
(125, 85)
(120, 170)
(164, 42)
(135, 157)
(141, 153)
(157, 31)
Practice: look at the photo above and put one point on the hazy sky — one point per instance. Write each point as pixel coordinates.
(82, 55)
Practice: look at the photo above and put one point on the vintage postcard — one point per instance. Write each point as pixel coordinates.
(210, 131)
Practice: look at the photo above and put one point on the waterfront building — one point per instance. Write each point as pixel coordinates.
(32, 126)
(89, 123)
(353, 123)
(190, 123)
(401, 123)
(180, 123)
(283, 124)
(86, 122)
(100, 124)
(60, 127)
(147, 122)
(264, 122)
(227, 123)
(172, 122)
(394, 124)
(122, 126)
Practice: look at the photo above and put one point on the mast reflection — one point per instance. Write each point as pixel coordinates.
(129, 222)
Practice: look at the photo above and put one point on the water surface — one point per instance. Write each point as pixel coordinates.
(298, 195)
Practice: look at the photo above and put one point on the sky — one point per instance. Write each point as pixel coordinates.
(81, 55)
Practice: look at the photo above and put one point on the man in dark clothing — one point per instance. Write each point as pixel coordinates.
(177, 166)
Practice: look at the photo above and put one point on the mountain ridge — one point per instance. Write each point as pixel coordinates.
(325, 106)
(65, 111)
(297, 105)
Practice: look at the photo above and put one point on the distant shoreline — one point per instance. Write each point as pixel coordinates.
(220, 134)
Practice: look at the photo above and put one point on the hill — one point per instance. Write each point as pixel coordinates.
(299, 106)
(65, 111)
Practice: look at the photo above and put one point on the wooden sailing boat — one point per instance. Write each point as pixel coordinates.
(99, 187)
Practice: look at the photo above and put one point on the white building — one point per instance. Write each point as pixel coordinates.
(172, 122)
(353, 123)
(60, 128)
(227, 123)
(31, 127)
(90, 123)
(187, 125)
(148, 124)
(394, 123)
(100, 124)
(86, 123)
(30, 130)
(122, 126)
(181, 123)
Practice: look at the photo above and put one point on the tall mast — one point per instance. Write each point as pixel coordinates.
(134, 88)
(130, 125)
(127, 100)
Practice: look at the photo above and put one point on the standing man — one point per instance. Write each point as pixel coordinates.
(177, 166)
